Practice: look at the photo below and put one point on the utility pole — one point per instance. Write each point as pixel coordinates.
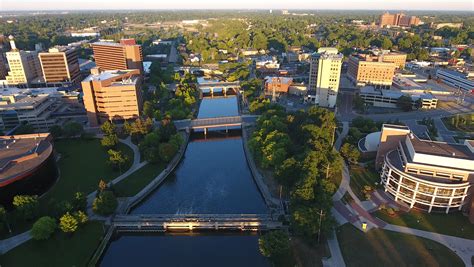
(333, 135)
(327, 171)
(321, 214)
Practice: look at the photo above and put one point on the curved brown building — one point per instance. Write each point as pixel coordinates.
(27, 165)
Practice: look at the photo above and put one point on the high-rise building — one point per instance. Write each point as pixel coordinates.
(24, 65)
(60, 64)
(370, 70)
(112, 95)
(399, 19)
(118, 56)
(324, 75)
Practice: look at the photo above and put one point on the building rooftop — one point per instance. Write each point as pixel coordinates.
(105, 75)
(21, 153)
(442, 149)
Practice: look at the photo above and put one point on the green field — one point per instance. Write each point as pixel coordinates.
(454, 224)
(60, 250)
(138, 180)
(385, 248)
(361, 177)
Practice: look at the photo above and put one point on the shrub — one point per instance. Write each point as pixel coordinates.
(43, 228)
(105, 203)
(68, 223)
(26, 205)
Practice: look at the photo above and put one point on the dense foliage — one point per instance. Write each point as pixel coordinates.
(298, 148)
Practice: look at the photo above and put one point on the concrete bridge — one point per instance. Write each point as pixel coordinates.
(217, 122)
(212, 87)
(190, 222)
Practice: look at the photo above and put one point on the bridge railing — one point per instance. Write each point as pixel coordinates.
(192, 216)
(216, 121)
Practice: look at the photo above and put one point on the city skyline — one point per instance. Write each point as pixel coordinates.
(25, 5)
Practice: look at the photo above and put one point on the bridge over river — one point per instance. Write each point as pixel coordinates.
(190, 222)
(217, 122)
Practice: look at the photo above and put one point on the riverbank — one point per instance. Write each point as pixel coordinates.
(271, 201)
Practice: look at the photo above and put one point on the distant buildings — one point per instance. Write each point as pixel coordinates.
(364, 69)
(399, 19)
(324, 76)
(428, 175)
(277, 85)
(118, 56)
(447, 24)
(112, 95)
(27, 165)
(24, 66)
(60, 64)
(456, 79)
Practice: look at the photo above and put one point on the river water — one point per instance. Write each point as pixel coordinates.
(212, 177)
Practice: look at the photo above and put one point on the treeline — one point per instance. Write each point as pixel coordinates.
(297, 147)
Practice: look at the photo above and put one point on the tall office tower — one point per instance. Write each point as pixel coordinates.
(60, 64)
(24, 66)
(324, 75)
(118, 56)
(112, 95)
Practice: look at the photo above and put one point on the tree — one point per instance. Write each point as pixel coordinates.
(117, 159)
(109, 140)
(386, 43)
(167, 151)
(102, 185)
(108, 128)
(43, 228)
(105, 203)
(68, 223)
(288, 173)
(72, 129)
(56, 131)
(350, 152)
(275, 245)
(81, 217)
(148, 109)
(79, 201)
(26, 205)
(405, 103)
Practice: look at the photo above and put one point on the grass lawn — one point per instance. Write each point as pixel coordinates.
(454, 224)
(82, 164)
(60, 250)
(361, 177)
(307, 255)
(385, 248)
(138, 180)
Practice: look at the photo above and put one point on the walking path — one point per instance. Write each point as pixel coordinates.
(135, 166)
(12, 242)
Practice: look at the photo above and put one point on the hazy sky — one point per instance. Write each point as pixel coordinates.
(464, 5)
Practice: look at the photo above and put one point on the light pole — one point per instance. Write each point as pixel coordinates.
(321, 214)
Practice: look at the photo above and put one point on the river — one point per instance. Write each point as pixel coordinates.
(212, 177)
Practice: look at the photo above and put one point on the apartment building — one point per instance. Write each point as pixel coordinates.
(112, 95)
(60, 64)
(324, 76)
(370, 70)
(398, 19)
(427, 175)
(118, 56)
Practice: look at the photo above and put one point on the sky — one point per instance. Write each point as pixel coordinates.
(442, 5)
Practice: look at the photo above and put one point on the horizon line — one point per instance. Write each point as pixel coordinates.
(230, 9)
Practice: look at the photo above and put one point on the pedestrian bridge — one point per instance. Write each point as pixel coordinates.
(211, 87)
(190, 222)
(217, 122)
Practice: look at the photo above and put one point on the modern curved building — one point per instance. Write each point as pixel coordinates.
(428, 175)
(27, 165)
